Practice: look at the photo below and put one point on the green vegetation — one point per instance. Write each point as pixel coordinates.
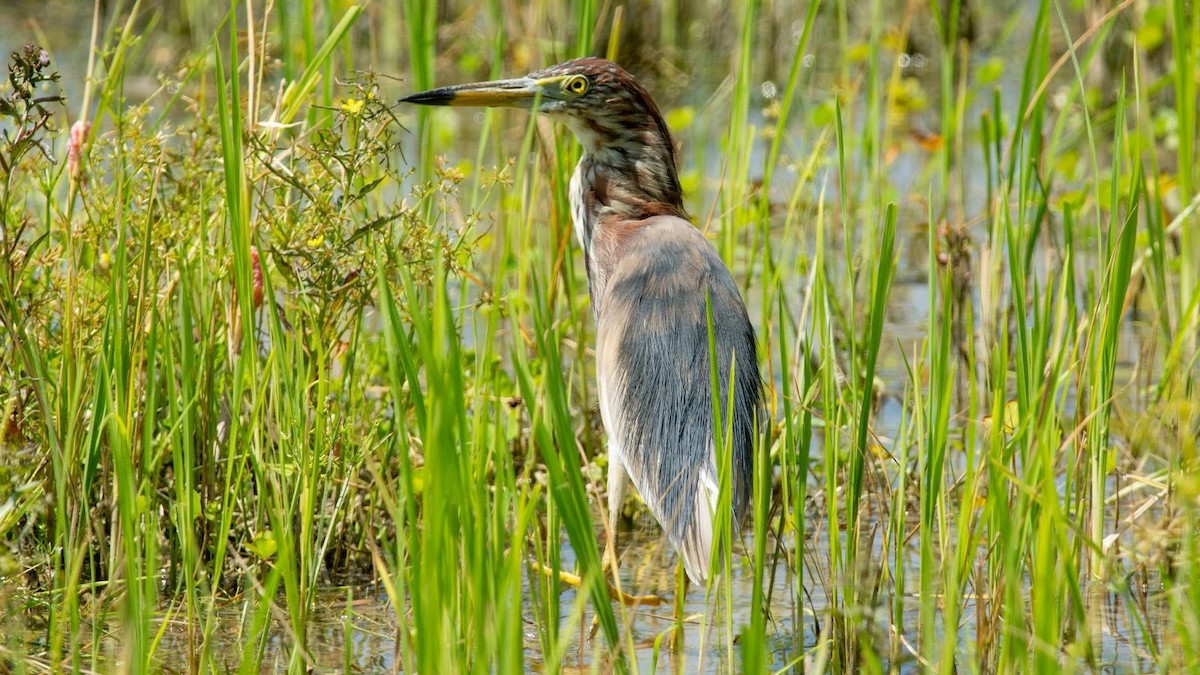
(292, 378)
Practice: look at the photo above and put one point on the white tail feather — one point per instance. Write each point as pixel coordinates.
(698, 539)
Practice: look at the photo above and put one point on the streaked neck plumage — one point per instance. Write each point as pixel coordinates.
(626, 175)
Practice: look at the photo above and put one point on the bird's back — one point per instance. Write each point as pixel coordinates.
(655, 378)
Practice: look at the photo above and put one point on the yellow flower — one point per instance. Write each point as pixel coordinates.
(316, 241)
(353, 106)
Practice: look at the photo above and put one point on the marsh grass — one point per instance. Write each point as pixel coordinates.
(268, 340)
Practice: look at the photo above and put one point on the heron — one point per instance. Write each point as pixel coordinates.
(653, 279)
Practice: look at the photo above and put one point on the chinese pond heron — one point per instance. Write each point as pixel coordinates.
(653, 278)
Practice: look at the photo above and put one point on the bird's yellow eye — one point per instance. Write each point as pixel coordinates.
(576, 85)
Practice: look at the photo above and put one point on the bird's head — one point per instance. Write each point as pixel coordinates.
(606, 108)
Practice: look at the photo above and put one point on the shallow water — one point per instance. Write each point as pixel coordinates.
(366, 619)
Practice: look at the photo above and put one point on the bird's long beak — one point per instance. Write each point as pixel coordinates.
(517, 93)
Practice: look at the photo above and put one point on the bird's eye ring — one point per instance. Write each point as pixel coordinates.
(576, 85)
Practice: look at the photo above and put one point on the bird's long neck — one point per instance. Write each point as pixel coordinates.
(621, 180)
(627, 170)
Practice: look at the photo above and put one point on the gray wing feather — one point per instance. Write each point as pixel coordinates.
(655, 379)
